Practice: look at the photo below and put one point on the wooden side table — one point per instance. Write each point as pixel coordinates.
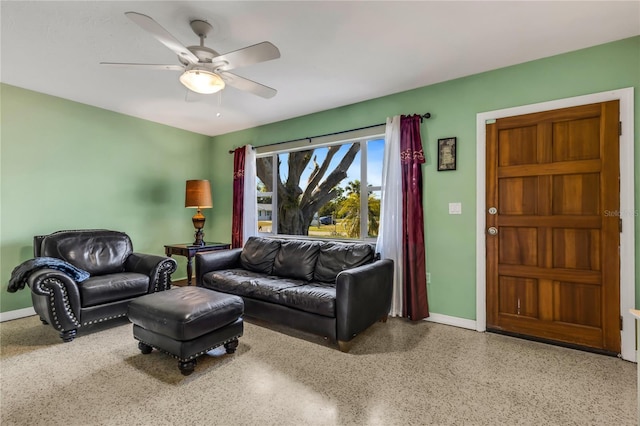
(189, 251)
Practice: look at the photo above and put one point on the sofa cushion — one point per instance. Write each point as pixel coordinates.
(297, 259)
(113, 287)
(317, 298)
(258, 254)
(248, 284)
(336, 257)
(98, 252)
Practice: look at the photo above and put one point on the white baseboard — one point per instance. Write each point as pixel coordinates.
(437, 318)
(18, 313)
(454, 321)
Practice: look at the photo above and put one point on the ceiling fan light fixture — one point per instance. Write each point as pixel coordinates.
(202, 81)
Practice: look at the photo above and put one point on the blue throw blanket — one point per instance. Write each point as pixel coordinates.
(21, 272)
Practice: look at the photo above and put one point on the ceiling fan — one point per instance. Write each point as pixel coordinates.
(203, 69)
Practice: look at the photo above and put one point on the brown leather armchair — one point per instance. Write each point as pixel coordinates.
(117, 275)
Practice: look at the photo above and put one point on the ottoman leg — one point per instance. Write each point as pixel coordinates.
(144, 348)
(231, 346)
(187, 367)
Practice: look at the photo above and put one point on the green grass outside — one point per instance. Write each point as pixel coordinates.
(324, 231)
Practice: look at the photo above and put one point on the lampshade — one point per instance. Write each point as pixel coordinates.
(200, 80)
(198, 194)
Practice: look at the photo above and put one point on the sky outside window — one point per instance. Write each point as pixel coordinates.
(375, 152)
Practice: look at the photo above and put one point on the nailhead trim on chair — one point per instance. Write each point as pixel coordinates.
(163, 276)
(95, 321)
(194, 355)
(65, 300)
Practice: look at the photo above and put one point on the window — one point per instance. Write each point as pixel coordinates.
(318, 191)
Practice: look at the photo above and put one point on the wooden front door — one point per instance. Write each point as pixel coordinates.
(553, 261)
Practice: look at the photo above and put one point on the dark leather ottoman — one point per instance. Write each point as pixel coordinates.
(187, 322)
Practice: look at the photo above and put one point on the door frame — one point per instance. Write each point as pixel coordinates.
(627, 204)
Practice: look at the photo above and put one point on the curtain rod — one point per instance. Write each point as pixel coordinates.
(422, 117)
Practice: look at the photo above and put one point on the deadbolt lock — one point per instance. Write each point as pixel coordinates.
(493, 210)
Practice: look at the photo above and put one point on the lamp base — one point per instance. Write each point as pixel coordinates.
(198, 223)
(199, 235)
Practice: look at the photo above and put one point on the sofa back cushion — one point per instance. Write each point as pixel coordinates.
(98, 252)
(336, 257)
(258, 254)
(297, 259)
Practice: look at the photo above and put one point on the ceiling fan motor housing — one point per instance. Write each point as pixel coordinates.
(203, 53)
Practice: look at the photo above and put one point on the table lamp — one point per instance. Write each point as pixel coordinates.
(198, 195)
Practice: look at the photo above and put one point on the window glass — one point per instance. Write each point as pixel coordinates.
(318, 191)
(373, 214)
(265, 193)
(375, 156)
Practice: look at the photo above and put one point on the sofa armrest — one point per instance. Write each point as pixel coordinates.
(216, 260)
(157, 268)
(363, 296)
(60, 297)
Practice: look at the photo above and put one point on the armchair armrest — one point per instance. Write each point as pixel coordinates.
(57, 297)
(216, 260)
(363, 296)
(158, 268)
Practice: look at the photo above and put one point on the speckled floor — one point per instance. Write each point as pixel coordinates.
(397, 373)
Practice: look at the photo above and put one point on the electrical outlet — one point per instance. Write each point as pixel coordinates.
(428, 277)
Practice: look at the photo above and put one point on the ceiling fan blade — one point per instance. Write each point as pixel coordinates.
(147, 66)
(260, 52)
(162, 35)
(247, 85)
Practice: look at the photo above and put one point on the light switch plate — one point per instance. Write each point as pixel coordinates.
(455, 208)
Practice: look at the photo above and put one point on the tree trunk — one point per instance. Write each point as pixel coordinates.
(291, 221)
(296, 208)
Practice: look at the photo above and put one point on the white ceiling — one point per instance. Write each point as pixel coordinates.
(334, 53)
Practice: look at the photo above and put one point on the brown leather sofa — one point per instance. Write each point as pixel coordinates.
(333, 289)
(117, 275)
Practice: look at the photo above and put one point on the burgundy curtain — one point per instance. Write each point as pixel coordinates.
(415, 305)
(238, 197)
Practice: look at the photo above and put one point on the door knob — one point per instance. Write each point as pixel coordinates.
(493, 210)
(493, 230)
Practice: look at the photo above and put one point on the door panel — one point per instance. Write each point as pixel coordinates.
(518, 296)
(577, 303)
(519, 196)
(517, 146)
(518, 246)
(576, 194)
(576, 249)
(553, 267)
(576, 140)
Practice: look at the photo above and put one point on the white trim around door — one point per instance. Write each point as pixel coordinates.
(627, 204)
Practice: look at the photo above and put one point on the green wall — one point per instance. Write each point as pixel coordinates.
(66, 165)
(450, 240)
